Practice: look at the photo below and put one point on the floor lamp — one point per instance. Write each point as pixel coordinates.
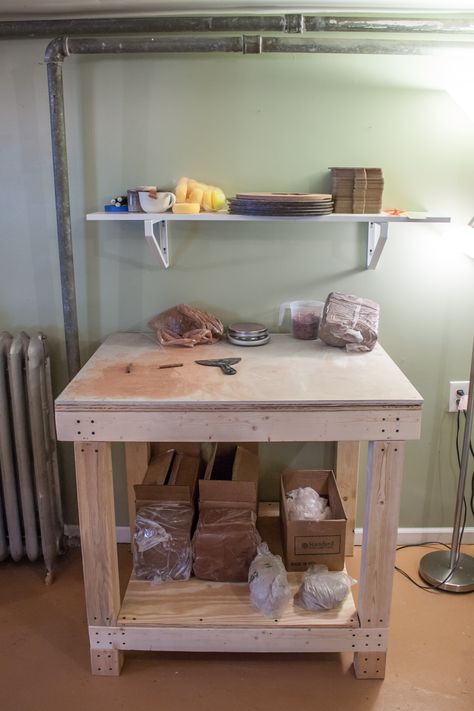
(452, 570)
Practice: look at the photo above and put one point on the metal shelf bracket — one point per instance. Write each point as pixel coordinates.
(159, 245)
(376, 240)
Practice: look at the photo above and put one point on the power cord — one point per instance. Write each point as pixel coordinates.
(436, 588)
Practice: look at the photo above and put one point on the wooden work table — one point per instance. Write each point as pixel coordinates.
(285, 391)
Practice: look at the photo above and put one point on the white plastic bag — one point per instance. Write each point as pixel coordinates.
(268, 582)
(323, 589)
(305, 504)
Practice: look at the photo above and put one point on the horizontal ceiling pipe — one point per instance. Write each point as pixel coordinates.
(65, 46)
(368, 46)
(289, 23)
(246, 44)
(313, 23)
(151, 25)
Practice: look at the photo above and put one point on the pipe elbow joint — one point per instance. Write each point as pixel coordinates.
(56, 50)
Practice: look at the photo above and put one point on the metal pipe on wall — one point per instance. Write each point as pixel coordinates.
(289, 23)
(256, 44)
(63, 209)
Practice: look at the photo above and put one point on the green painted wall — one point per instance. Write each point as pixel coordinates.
(248, 123)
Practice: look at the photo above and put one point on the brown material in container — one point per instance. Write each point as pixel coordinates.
(224, 545)
(162, 542)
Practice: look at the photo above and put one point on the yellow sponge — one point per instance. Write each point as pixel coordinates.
(209, 197)
(186, 208)
(181, 189)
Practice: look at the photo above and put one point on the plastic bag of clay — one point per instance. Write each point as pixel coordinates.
(224, 544)
(184, 325)
(323, 589)
(162, 542)
(349, 321)
(268, 582)
(305, 504)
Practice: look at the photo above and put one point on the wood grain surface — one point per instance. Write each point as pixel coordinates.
(286, 372)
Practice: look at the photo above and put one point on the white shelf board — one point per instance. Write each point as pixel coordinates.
(377, 225)
(225, 217)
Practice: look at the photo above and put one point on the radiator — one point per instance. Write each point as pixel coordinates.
(31, 522)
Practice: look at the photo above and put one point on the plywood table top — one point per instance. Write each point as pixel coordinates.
(124, 373)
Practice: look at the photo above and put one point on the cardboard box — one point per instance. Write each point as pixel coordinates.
(231, 478)
(171, 476)
(308, 542)
(159, 468)
(191, 448)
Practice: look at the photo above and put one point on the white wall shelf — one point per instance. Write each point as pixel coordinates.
(377, 226)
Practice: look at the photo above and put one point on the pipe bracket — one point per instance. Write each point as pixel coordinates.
(295, 23)
(252, 44)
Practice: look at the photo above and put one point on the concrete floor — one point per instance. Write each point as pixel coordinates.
(44, 655)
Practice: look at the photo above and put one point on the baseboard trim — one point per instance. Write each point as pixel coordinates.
(422, 535)
(405, 535)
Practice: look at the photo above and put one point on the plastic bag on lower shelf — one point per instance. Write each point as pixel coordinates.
(268, 582)
(305, 504)
(322, 589)
(162, 549)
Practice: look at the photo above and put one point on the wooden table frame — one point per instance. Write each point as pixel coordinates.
(94, 423)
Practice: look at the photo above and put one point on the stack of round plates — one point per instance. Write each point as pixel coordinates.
(281, 204)
(247, 334)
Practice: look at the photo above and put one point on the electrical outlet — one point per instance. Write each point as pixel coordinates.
(454, 386)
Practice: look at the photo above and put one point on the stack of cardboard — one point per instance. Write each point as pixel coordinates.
(357, 190)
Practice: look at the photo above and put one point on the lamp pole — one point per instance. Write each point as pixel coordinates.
(452, 570)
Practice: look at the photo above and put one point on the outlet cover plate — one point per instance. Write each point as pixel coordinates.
(454, 386)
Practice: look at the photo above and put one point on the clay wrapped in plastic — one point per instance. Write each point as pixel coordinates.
(323, 589)
(162, 542)
(224, 544)
(349, 321)
(184, 325)
(268, 583)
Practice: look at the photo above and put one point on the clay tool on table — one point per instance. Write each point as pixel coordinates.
(170, 365)
(223, 363)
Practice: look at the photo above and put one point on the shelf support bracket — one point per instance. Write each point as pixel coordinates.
(159, 244)
(376, 241)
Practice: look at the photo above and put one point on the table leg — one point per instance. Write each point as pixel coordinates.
(137, 457)
(384, 478)
(347, 473)
(98, 546)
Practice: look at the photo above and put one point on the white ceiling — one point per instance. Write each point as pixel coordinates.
(22, 9)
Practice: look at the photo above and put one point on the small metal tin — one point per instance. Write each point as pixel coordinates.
(247, 334)
(248, 342)
(247, 330)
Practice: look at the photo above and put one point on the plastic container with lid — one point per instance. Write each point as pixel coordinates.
(305, 318)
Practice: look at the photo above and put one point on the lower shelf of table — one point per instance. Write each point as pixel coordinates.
(199, 603)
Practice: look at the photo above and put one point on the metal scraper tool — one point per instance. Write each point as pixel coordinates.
(224, 363)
